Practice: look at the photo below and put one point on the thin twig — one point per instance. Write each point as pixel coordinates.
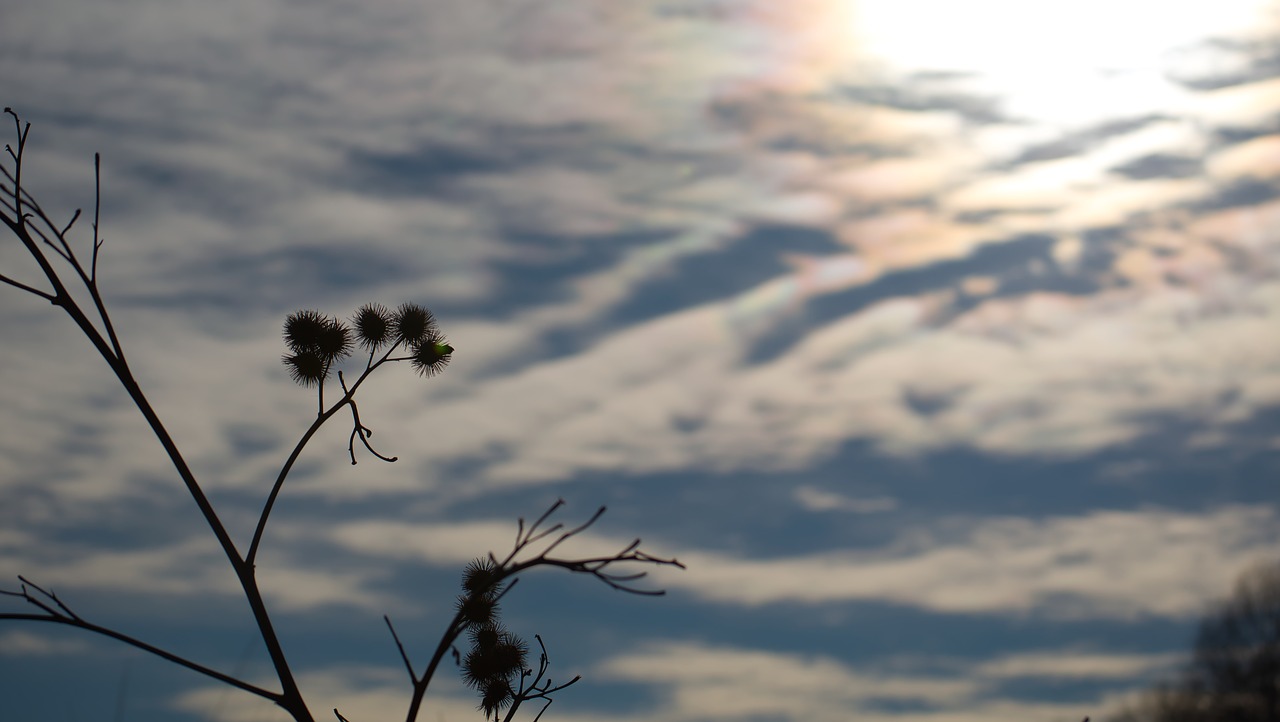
(359, 429)
(291, 697)
(324, 416)
(35, 291)
(50, 595)
(97, 206)
(407, 664)
(533, 690)
(506, 572)
(63, 615)
(74, 217)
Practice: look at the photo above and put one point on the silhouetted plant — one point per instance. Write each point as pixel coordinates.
(496, 664)
(1234, 672)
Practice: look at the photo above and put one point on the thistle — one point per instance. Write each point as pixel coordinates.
(414, 323)
(317, 341)
(497, 657)
(373, 324)
(431, 355)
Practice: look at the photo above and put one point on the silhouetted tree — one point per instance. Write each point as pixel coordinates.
(1234, 672)
(497, 664)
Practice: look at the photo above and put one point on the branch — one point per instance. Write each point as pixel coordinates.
(275, 489)
(59, 613)
(359, 429)
(18, 284)
(110, 350)
(597, 567)
(508, 569)
(447, 639)
(407, 664)
(536, 691)
(97, 206)
(321, 418)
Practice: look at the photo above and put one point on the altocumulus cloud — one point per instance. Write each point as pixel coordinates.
(705, 682)
(1104, 564)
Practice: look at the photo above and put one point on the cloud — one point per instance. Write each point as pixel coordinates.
(306, 205)
(443, 543)
(191, 567)
(359, 692)
(1100, 565)
(1023, 291)
(700, 682)
(17, 643)
(1076, 664)
(707, 682)
(813, 499)
(1035, 374)
(1256, 158)
(743, 684)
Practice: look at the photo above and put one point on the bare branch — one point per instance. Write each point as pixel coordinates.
(23, 215)
(575, 531)
(74, 217)
(598, 567)
(62, 614)
(97, 206)
(407, 664)
(35, 291)
(291, 697)
(359, 429)
(325, 415)
(47, 594)
(537, 689)
(455, 628)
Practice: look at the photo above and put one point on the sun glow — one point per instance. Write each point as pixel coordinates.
(1060, 63)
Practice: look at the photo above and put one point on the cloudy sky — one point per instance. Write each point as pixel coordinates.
(940, 340)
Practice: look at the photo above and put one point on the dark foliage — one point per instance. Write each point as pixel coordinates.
(1234, 672)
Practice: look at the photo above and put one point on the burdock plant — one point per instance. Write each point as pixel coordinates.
(496, 664)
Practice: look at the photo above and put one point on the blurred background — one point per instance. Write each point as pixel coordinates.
(940, 340)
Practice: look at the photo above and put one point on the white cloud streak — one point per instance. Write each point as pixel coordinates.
(20, 643)
(242, 139)
(706, 682)
(1100, 565)
(1106, 564)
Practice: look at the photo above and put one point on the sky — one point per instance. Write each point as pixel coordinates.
(939, 340)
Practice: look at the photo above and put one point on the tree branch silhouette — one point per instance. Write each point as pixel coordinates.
(1234, 669)
(485, 583)
(316, 345)
(60, 613)
(22, 225)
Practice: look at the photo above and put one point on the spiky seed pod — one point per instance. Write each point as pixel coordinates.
(306, 368)
(312, 332)
(478, 609)
(480, 576)
(510, 653)
(413, 323)
(431, 355)
(490, 635)
(477, 669)
(373, 324)
(335, 341)
(303, 329)
(503, 661)
(485, 637)
(495, 696)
